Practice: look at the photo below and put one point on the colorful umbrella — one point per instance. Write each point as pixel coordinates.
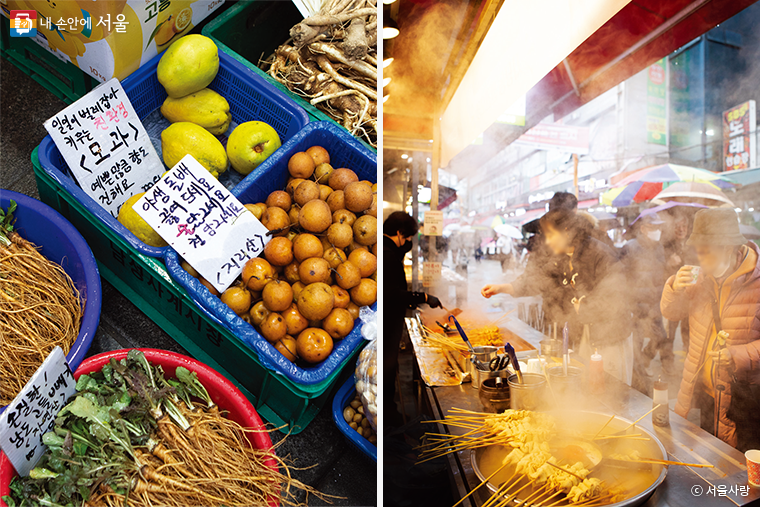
(509, 231)
(669, 205)
(694, 192)
(645, 184)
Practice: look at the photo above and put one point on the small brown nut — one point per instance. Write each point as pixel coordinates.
(358, 418)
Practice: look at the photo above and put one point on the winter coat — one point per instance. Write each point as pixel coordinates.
(396, 296)
(592, 275)
(644, 263)
(739, 305)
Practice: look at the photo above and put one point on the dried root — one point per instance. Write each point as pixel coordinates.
(332, 61)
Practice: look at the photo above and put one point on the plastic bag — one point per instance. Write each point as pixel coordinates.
(365, 374)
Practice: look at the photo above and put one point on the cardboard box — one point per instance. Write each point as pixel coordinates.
(111, 38)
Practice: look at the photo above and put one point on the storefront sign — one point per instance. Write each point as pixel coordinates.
(431, 273)
(433, 223)
(32, 413)
(551, 136)
(203, 221)
(656, 89)
(106, 146)
(739, 140)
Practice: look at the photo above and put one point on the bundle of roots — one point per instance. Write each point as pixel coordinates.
(331, 59)
(39, 310)
(211, 463)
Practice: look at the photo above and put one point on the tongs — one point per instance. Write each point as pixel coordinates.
(474, 360)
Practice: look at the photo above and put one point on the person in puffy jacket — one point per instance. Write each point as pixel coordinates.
(721, 374)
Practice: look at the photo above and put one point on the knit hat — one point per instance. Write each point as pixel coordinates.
(717, 226)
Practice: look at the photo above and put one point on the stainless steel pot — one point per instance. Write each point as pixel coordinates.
(656, 448)
(478, 376)
(528, 395)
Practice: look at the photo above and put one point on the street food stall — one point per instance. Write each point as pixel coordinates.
(584, 443)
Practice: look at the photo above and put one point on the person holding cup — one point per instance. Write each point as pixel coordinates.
(721, 298)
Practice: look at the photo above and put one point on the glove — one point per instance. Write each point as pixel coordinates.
(434, 302)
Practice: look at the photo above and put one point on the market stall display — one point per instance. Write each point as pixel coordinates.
(50, 287)
(322, 279)
(332, 60)
(250, 99)
(165, 424)
(355, 404)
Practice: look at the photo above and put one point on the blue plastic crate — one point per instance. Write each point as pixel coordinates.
(345, 151)
(342, 398)
(250, 98)
(61, 243)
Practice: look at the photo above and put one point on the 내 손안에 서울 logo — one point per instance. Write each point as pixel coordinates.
(23, 23)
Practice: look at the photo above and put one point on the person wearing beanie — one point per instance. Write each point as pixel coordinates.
(721, 374)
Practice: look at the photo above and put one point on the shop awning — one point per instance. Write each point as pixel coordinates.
(525, 41)
(639, 34)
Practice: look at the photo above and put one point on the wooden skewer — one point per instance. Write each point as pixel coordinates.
(566, 471)
(605, 437)
(506, 486)
(605, 425)
(484, 482)
(669, 462)
(543, 502)
(643, 416)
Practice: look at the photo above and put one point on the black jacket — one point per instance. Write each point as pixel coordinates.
(594, 276)
(396, 296)
(646, 275)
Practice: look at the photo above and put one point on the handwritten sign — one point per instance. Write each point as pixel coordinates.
(431, 273)
(106, 147)
(203, 221)
(32, 413)
(433, 223)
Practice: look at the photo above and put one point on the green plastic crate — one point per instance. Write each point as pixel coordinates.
(62, 79)
(145, 282)
(251, 31)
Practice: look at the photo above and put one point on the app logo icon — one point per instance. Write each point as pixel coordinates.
(23, 23)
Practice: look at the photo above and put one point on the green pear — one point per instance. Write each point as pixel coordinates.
(250, 144)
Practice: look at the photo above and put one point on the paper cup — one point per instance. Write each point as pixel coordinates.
(753, 467)
(694, 273)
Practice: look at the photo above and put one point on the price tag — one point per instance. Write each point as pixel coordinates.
(431, 273)
(433, 223)
(106, 146)
(203, 221)
(32, 413)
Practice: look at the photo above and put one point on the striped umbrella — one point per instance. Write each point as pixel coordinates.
(645, 184)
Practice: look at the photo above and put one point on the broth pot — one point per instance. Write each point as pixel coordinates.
(609, 460)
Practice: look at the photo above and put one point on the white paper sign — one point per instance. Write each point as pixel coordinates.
(203, 221)
(431, 273)
(106, 147)
(433, 223)
(32, 413)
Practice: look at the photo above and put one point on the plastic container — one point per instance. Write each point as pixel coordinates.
(61, 243)
(62, 79)
(343, 397)
(145, 282)
(221, 390)
(345, 151)
(250, 98)
(252, 31)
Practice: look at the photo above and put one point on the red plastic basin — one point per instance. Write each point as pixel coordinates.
(221, 390)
